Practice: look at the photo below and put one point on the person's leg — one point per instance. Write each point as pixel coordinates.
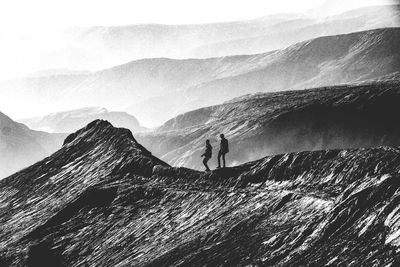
(219, 159)
(207, 164)
(223, 159)
(205, 160)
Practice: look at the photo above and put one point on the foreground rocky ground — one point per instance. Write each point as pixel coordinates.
(104, 200)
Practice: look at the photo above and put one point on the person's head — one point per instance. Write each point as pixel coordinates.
(222, 136)
(207, 142)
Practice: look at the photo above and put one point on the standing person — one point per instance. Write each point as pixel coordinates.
(207, 154)
(224, 148)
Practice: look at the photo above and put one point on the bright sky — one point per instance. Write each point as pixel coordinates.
(27, 16)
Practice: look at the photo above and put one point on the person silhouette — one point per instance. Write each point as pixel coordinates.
(223, 149)
(207, 154)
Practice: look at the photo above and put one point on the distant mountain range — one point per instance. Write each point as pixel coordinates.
(71, 121)
(101, 47)
(274, 123)
(21, 146)
(324, 61)
(296, 30)
(155, 90)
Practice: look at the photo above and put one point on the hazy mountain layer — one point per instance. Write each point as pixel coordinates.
(183, 85)
(71, 121)
(116, 87)
(274, 123)
(297, 30)
(21, 146)
(323, 61)
(102, 199)
(101, 47)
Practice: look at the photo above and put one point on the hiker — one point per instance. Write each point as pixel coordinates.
(224, 148)
(207, 154)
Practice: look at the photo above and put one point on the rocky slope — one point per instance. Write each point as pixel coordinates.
(155, 90)
(103, 199)
(72, 120)
(274, 123)
(21, 146)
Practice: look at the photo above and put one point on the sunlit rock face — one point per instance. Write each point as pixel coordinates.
(103, 199)
(266, 124)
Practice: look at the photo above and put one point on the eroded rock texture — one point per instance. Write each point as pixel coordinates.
(104, 200)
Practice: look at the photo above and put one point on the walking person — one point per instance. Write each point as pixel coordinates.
(224, 148)
(207, 154)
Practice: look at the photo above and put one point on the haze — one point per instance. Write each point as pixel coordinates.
(25, 16)
(56, 37)
(21, 19)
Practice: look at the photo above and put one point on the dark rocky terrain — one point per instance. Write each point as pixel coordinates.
(340, 117)
(155, 90)
(103, 199)
(21, 146)
(72, 120)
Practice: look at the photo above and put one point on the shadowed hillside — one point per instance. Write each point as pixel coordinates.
(103, 199)
(274, 123)
(21, 146)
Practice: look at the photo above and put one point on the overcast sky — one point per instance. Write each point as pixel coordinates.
(27, 16)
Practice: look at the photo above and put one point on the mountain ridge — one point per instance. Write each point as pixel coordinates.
(131, 208)
(375, 17)
(281, 122)
(285, 70)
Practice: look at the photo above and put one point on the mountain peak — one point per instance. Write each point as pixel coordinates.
(100, 138)
(96, 129)
(109, 151)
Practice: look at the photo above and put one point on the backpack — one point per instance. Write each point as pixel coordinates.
(208, 152)
(225, 145)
